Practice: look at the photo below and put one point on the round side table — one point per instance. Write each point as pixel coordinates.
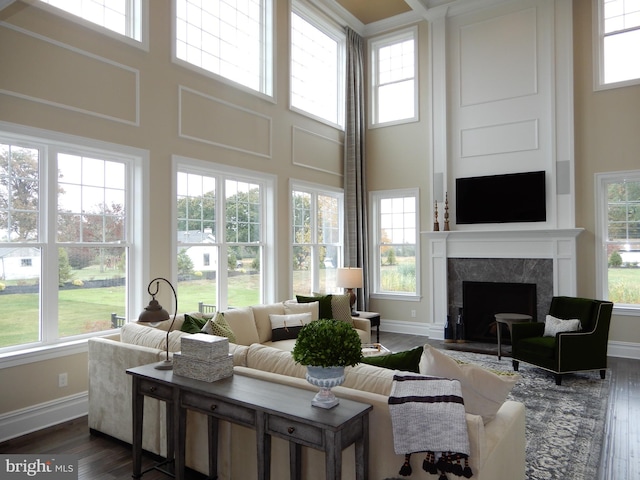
(508, 319)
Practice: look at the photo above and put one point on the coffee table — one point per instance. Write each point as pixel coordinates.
(508, 319)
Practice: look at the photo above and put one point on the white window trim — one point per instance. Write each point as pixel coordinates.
(138, 222)
(598, 52)
(143, 44)
(330, 28)
(270, 76)
(267, 182)
(373, 45)
(374, 203)
(318, 189)
(601, 181)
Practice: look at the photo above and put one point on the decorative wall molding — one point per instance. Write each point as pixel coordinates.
(503, 138)
(101, 87)
(211, 120)
(315, 151)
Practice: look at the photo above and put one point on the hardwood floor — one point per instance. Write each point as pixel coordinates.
(104, 458)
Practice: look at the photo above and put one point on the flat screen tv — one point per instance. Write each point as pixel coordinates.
(509, 198)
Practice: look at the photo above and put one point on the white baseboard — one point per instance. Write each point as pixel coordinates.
(435, 331)
(20, 422)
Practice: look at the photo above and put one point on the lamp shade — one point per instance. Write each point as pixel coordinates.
(349, 277)
(153, 313)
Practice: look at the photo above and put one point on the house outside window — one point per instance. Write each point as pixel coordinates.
(618, 224)
(67, 238)
(232, 39)
(617, 36)
(394, 78)
(395, 236)
(317, 66)
(222, 235)
(317, 214)
(123, 17)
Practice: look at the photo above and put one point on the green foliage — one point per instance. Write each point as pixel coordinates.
(232, 261)
(328, 343)
(615, 260)
(64, 268)
(185, 265)
(391, 257)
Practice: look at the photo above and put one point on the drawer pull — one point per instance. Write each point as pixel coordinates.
(291, 430)
(213, 406)
(152, 389)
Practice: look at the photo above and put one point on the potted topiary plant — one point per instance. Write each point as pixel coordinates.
(326, 346)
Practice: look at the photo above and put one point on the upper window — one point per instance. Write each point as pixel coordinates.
(68, 240)
(223, 217)
(395, 229)
(618, 42)
(317, 66)
(121, 16)
(394, 94)
(316, 237)
(230, 38)
(618, 216)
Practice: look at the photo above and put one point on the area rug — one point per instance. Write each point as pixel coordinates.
(565, 424)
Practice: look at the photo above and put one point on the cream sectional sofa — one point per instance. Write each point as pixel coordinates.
(497, 446)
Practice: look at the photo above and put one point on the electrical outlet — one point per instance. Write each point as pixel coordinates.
(413, 314)
(62, 380)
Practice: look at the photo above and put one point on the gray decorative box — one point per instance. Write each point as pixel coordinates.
(202, 370)
(208, 348)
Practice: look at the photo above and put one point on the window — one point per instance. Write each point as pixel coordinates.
(618, 220)
(317, 66)
(123, 17)
(395, 224)
(618, 32)
(223, 217)
(394, 93)
(230, 38)
(316, 237)
(68, 241)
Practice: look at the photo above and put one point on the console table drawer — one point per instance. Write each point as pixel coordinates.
(155, 390)
(295, 431)
(212, 406)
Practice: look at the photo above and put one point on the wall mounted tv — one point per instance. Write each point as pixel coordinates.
(509, 198)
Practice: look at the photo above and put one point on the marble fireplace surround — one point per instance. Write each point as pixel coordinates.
(544, 257)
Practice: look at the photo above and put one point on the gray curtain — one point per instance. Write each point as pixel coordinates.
(356, 252)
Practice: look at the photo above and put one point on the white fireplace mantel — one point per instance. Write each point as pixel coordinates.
(556, 244)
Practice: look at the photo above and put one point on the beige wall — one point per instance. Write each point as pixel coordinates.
(606, 140)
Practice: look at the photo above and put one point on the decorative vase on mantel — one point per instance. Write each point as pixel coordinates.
(326, 378)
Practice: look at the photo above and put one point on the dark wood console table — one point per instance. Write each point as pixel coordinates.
(269, 408)
(374, 318)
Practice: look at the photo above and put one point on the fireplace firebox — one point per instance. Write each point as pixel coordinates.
(482, 300)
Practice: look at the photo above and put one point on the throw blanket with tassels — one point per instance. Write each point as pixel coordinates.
(427, 415)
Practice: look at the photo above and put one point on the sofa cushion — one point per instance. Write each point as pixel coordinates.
(369, 378)
(241, 322)
(269, 359)
(285, 327)
(408, 361)
(261, 317)
(291, 306)
(553, 325)
(219, 326)
(146, 336)
(483, 391)
(193, 323)
(330, 306)
(324, 304)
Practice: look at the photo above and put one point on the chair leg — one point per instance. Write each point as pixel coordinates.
(603, 374)
(516, 365)
(558, 379)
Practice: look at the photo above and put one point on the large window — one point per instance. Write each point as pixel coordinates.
(618, 217)
(123, 17)
(394, 86)
(618, 31)
(317, 66)
(230, 38)
(223, 217)
(67, 240)
(316, 237)
(395, 230)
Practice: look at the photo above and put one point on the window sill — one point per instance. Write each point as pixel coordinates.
(627, 310)
(407, 297)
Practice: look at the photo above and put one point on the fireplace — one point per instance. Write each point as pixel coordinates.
(482, 300)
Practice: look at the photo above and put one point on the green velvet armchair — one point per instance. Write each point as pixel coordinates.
(566, 352)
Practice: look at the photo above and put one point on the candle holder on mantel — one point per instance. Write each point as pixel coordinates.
(446, 212)
(436, 225)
